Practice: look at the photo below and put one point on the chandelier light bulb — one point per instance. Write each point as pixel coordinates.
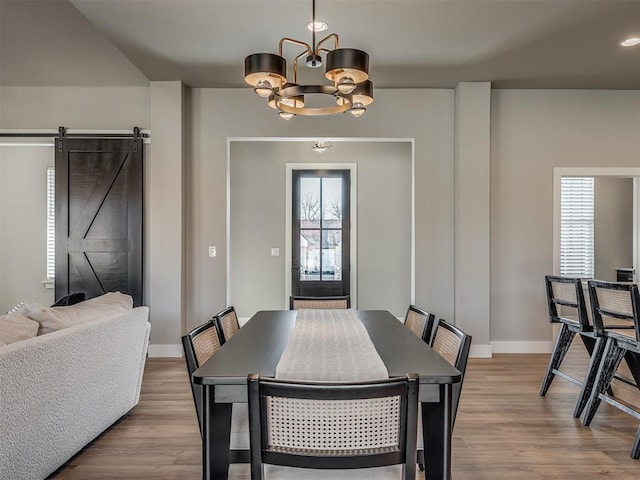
(285, 115)
(263, 89)
(358, 109)
(346, 85)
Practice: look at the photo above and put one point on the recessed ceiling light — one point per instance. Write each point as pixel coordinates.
(317, 26)
(630, 42)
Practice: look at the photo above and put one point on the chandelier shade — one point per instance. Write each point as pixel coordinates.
(347, 62)
(346, 68)
(265, 67)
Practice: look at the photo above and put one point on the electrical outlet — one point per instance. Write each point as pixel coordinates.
(212, 251)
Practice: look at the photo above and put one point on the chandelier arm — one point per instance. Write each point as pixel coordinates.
(295, 42)
(335, 45)
(295, 66)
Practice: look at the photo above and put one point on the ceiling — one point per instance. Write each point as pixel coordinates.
(411, 43)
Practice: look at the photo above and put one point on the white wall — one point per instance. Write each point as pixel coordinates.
(258, 211)
(23, 225)
(533, 131)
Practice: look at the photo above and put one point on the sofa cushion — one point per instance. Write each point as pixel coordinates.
(56, 318)
(15, 327)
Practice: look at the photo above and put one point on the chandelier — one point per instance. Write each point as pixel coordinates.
(346, 68)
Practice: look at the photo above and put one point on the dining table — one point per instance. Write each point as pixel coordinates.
(258, 347)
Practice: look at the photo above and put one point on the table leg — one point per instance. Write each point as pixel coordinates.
(436, 433)
(216, 436)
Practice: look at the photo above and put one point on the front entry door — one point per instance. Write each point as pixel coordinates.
(321, 232)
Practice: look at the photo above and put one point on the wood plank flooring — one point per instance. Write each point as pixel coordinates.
(504, 430)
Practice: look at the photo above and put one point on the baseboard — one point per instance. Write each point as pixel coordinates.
(156, 351)
(522, 346)
(480, 351)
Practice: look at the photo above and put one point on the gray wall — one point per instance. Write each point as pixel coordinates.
(533, 131)
(257, 221)
(613, 226)
(23, 225)
(423, 115)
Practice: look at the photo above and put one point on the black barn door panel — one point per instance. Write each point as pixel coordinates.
(99, 216)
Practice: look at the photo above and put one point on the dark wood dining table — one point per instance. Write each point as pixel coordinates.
(257, 348)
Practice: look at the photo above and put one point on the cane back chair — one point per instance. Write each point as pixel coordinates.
(338, 425)
(304, 303)
(419, 322)
(228, 325)
(616, 317)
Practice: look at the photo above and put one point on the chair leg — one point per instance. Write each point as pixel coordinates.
(589, 344)
(611, 359)
(420, 455)
(560, 349)
(597, 351)
(635, 450)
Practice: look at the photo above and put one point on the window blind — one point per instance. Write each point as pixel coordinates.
(51, 223)
(576, 226)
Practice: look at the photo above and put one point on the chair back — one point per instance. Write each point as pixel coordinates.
(199, 345)
(320, 303)
(568, 293)
(615, 306)
(453, 345)
(419, 322)
(228, 325)
(333, 425)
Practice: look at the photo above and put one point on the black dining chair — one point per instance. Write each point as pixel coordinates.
(453, 345)
(296, 426)
(616, 317)
(419, 322)
(228, 324)
(199, 345)
(567, 307)
(297, 302)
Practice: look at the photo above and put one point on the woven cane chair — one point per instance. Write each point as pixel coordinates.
(419, 322)
(228, 325)
(567, 293)
(199, 346)
(321, 303)
(616, 316)
(339, 426)
(453, 345)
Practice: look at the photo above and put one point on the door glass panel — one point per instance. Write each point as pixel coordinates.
(309, 255)
(331, 254)
(310, 202)
(331, 202)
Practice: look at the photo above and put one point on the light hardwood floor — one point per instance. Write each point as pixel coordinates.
(504, 430)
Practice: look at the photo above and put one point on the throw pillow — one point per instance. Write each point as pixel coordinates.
(17, 308)
(15, 327)
(56, 318)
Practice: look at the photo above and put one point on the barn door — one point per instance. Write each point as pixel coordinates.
(99, 216)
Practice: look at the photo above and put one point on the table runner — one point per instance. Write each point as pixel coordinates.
(330, 345)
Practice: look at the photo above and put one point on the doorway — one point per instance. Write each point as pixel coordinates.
(320, 254)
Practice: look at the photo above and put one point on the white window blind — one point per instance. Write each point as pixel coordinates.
(576, 226)
(51, 223)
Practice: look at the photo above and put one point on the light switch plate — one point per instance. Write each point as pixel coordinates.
(212, 251)
(275, 252)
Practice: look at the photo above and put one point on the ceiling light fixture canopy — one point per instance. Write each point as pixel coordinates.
(346, 68)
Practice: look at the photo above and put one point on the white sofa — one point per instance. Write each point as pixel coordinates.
(60, 390)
